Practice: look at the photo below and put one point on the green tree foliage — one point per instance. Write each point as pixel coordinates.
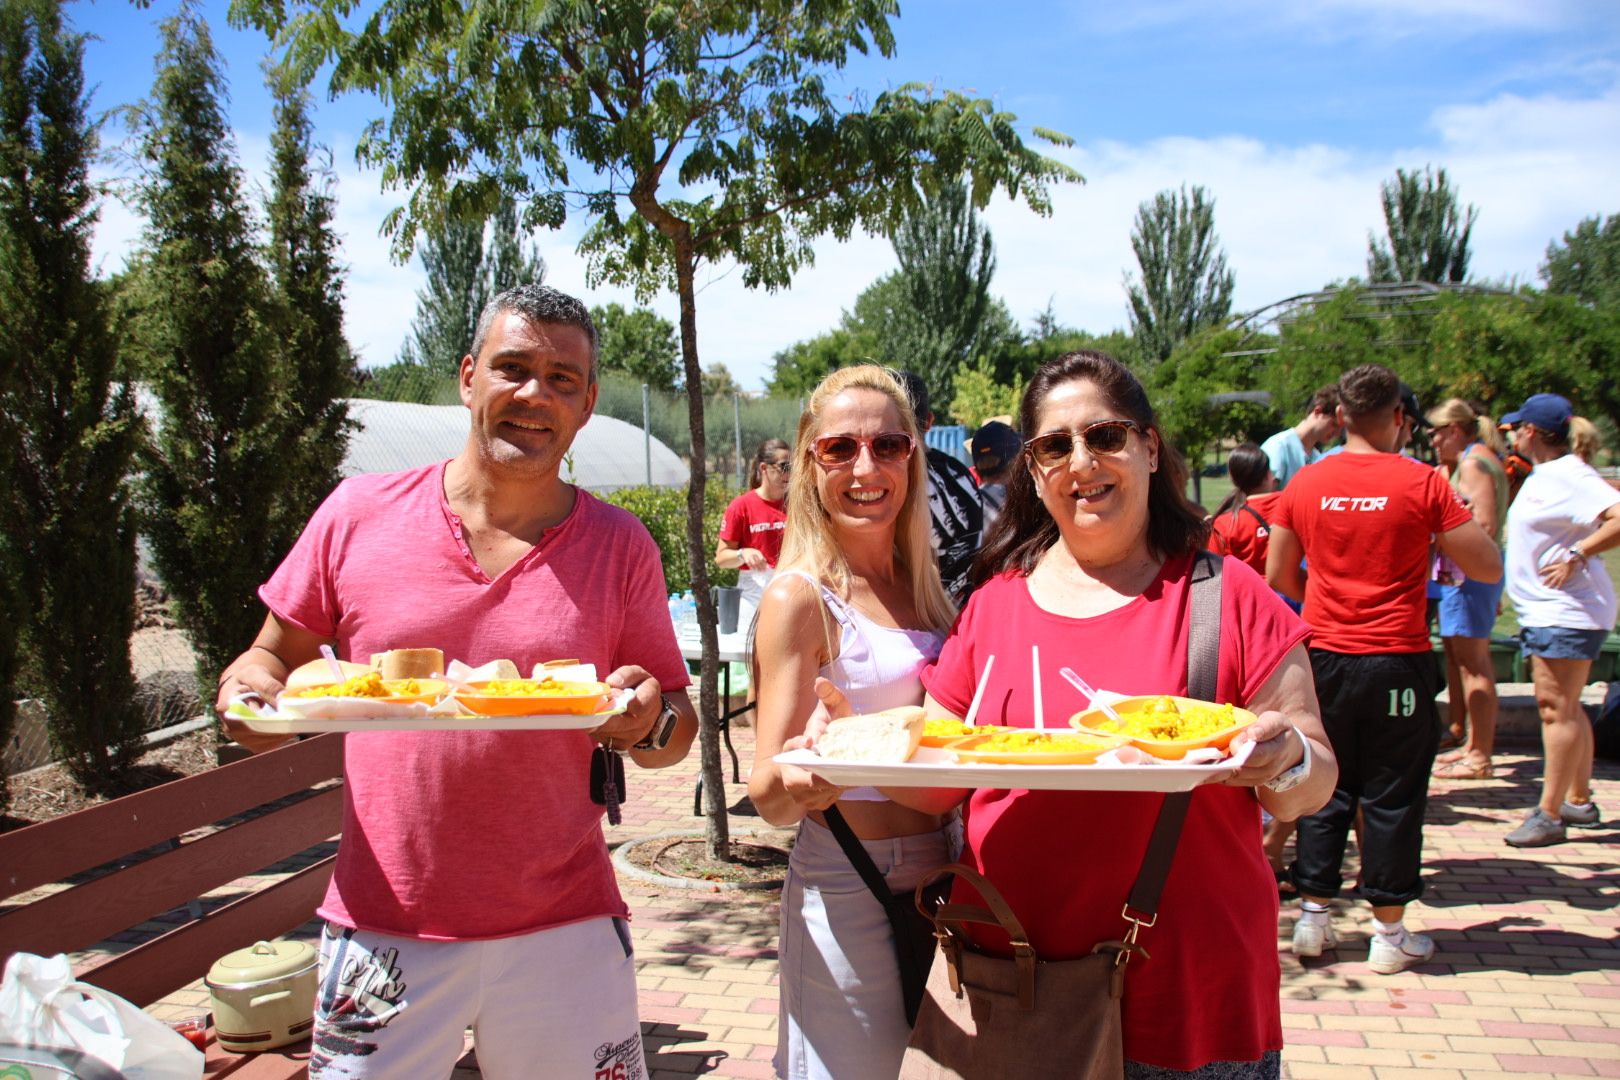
(69, 411)
(308, 282)
(947, 317)
(1185, 285)
(1212, 364)
(1587, 264)
(688, 134)
(718, 383)
(797, 369)
(1492, 347)
(1426, 234)
(639, 342)
(977, 395)
(464, 271)
(217, 486)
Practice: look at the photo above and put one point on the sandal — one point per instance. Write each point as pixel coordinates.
(1463, 769)
(1450, 756)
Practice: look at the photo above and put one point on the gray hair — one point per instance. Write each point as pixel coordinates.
(538, 304)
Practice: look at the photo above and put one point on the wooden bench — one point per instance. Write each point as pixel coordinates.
(273, 807)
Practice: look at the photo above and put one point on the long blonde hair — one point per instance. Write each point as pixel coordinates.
(1584, 439)
(808, 543)
(1458, 411)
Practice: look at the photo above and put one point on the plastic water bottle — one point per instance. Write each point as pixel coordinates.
(688, 626)
(675, 612)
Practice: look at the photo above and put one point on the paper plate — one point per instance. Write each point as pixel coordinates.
(1170, 749)
(586, 699)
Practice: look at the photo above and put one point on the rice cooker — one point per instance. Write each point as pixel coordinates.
(263, 995)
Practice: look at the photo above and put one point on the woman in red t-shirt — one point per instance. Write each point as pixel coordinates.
(1242, 524)
(1091, 560)
(751, 532)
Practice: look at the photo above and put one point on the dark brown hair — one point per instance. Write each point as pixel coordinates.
(1368, 389)
(1024, 529)
(763, 454)
(1324, 400)
(1248, 467)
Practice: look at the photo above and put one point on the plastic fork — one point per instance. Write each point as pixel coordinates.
(1091, 695)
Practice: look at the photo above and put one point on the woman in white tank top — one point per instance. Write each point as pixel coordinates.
(857, 600)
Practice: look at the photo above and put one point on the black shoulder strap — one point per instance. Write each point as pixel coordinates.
(1264, 524)
(1203, 669)
(855, 852)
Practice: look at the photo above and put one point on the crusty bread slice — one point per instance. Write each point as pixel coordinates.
(890, 736)
(409, 663)
(319, 673)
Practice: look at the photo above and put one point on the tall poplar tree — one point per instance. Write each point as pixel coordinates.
(308, 282)
(465, 269)
(69, 412)
(1185, 285)
(1426, 232)
(204, 317)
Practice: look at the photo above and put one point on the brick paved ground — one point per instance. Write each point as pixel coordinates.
(1527, 980)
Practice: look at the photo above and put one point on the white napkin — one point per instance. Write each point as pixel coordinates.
(566, 673)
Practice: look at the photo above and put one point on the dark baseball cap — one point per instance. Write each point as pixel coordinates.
(1414, 411)
(994, 444)
(1549, 412)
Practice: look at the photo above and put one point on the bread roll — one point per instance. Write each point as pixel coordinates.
(409, 663)
(319, 673)
(886, 737)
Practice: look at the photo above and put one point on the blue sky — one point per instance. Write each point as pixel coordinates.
(1290, 115)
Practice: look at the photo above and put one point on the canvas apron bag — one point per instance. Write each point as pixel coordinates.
(984, 1015)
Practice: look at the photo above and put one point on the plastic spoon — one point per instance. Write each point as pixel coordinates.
(1091, 695)
(332, 661)
(978, 693)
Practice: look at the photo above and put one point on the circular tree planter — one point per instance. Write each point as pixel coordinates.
(622, 862)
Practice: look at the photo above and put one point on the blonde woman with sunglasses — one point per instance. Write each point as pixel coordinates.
(856, 601)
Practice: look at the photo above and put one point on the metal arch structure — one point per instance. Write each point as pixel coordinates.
(1381, 300)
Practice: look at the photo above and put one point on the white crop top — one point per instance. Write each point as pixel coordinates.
(877, 667)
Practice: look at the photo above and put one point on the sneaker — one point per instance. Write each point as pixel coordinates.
(1311, 938)
(1585, 813)
(1538, 830)
(1388, 959)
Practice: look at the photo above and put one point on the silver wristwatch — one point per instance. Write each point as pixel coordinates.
(663, 728)
(1292, 778)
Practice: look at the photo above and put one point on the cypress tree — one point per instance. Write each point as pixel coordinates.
(204, 316)
(70, 415)
(308, 281)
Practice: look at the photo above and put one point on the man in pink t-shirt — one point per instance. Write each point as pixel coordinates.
(472, 885)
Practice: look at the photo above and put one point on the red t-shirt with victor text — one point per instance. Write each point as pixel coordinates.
(1365, 522)
(1066, 861)
(755, 521)
(472, 834)
(1244, 532)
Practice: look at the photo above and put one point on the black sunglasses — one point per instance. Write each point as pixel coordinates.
(890, 447)
(779, 466)
(1103, 437)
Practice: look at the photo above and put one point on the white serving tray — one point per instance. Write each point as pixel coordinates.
(935, 767)
(274, 724)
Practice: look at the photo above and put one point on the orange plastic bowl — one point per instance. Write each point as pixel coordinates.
(1032, 747)
(1169, 749)
(573, 699)
(945, 731)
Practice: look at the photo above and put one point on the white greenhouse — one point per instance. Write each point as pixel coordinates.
(607, 453)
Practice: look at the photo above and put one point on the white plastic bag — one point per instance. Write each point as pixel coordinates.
(43, 1006)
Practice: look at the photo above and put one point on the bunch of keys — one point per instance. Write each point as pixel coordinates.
(607, 780)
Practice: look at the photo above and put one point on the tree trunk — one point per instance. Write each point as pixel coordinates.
(714, 777)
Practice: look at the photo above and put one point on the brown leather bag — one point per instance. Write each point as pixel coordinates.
(985, 1016)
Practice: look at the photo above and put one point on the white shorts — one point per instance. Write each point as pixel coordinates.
(555, 1003)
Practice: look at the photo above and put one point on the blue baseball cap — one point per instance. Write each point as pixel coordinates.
(1549, 412)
